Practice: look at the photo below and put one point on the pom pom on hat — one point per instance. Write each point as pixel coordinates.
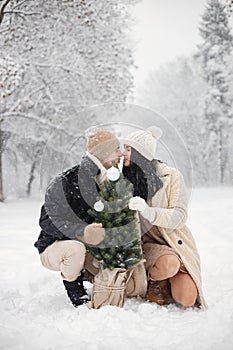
(91, 132)
(156, 132)
(101, 143)
(145, 141)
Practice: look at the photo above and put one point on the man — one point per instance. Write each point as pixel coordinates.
(66, 225)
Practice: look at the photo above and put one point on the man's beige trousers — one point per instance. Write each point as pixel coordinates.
(65, 256)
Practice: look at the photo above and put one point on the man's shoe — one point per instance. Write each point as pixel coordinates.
(76, 291)
(159, 292)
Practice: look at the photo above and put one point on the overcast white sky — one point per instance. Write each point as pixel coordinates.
(164, 29)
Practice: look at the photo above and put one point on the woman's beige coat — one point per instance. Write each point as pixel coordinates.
(170, 204)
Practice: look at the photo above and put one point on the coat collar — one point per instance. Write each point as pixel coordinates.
(163, 169)
(88, 167)
(97, 162)
(102, 175)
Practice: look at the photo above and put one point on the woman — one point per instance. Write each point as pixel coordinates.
(172, 260)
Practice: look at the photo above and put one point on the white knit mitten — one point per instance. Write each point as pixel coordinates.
(139, 204)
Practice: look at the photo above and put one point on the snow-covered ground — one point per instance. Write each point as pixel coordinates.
(36, 314)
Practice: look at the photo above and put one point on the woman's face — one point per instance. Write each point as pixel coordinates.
(127, 154)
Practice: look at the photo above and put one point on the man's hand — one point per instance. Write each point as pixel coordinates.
(137, 203)
(93, 234)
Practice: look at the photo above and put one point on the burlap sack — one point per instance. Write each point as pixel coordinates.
(109, 288)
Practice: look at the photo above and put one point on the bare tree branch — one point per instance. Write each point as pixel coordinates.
(19, 4)
(51, 66)
(5, 30)
(31, 93)
(2, 13)
(21, 13)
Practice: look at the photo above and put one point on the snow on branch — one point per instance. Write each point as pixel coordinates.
(13, 10)
(19, 4)
(38, 120)
(22, 13)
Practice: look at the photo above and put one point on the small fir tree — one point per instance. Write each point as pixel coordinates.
(121, 246)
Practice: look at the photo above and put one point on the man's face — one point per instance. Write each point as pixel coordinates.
(127, 155)
(115, 156)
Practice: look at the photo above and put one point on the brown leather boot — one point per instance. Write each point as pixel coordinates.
(159, 292)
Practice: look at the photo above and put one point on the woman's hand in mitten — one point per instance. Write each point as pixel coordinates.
(139, 204)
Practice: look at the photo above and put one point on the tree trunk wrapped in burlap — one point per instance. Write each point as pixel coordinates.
(109, 287)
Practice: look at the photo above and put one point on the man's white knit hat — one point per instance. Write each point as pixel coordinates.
(145, 141)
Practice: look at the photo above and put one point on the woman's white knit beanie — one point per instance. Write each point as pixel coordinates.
(145, 141)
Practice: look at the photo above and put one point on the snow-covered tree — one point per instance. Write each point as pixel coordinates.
(197, 98)
(174, 91)
(79, 49)
(213, 53)
(74, 53)
(10, 77)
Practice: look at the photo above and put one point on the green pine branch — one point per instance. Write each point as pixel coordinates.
(121, 246)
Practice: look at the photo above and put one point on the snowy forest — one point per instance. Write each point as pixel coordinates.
(60, 57)
(66, 65)
(196, 94)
